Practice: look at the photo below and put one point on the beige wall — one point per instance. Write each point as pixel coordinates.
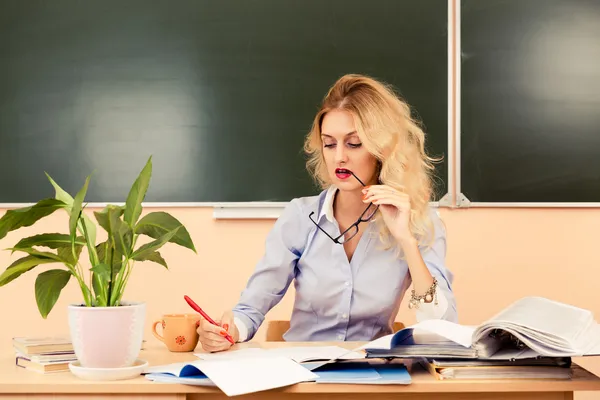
(497, 256)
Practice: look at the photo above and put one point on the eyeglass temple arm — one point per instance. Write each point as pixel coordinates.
(336, 240)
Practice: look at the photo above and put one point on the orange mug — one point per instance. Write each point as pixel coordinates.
(178, 331)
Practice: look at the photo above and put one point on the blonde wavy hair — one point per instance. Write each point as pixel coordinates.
(386, 128)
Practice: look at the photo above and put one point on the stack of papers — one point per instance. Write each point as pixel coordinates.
(541, 368)
(528, 328)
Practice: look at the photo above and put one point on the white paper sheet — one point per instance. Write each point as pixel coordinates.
(241, 375)
(248, 375)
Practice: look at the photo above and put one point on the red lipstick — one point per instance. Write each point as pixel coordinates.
(343, 173)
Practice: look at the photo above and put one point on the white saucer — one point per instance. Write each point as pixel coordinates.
(108, 374)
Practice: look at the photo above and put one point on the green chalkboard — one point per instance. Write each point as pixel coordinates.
(530, 119)
(221, 93)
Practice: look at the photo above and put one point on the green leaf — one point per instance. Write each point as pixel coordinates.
(21, 266)
(60, 193)
(100, 281)
(66, 255)
(77, 208)
(154, 257)
(39, 254)
(137, 193)
(156, 224)
(103, 271)
(27, 216)
(104, 257)
(108, 216)
(50, 240)
(68, 200)
(119, 233)
(144, 251)
(99, 291)
(48, 286)
(124, 239)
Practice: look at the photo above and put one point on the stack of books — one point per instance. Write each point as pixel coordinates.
(533, 338)
(532, 368)
(44, 354)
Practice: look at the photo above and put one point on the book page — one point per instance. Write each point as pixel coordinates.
(297, 353)
(546, 316)
(592, 347)
(248, 375)
(549, 327)
(460, 334)
(384, 343)
(314, 353)
(235, 376)
(231, 354)
(454, 332)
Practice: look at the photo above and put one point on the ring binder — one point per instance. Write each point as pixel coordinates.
(507, 339)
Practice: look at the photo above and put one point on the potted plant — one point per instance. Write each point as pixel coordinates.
(106, 330)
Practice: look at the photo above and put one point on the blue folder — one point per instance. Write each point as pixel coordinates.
(363, 373)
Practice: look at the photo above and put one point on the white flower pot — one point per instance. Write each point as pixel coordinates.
(107, 337)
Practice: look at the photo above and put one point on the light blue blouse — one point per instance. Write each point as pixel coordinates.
(336, 299)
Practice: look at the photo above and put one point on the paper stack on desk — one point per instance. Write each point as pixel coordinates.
(529, 328)
(540, 368)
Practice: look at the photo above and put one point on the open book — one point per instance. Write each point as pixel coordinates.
(531, 327)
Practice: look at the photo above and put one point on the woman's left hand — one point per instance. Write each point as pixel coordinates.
(395, 209)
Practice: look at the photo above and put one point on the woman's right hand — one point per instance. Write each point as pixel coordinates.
(212, 337)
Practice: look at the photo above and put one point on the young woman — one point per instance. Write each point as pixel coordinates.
(353, 250)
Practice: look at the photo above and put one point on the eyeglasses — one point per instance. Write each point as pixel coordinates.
(352, 229)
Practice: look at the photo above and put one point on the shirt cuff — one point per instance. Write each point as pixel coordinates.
(431, 310)
(242, 329)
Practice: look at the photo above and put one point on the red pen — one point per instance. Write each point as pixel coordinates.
(206, 317)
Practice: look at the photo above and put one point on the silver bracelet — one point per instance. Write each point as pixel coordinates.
(431, 294)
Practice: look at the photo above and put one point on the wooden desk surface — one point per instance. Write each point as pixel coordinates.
(15, 380)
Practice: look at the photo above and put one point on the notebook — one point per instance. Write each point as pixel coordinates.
(42, 345)
(42, 367)
(529, 328)
(234, 376)
(49, 357)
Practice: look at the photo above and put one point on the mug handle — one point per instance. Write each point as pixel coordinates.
(162, 339)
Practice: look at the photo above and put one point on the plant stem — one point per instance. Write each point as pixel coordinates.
(124, 283)
(110, 282)
(86, 295)
(118, 283)
(91, 249)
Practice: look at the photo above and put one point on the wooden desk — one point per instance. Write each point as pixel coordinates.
(18, 383)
